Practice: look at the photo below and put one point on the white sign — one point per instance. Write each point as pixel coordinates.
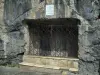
(49, 9)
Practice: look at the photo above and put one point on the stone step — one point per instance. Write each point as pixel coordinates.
(70, 64)
(31, 65)
(38, 68)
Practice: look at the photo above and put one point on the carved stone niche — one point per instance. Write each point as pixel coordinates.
(51, 40)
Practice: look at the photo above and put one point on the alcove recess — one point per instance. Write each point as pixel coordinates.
(52, 41)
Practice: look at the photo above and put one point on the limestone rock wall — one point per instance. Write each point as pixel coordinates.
(14, 12)
(61, 9)
(89, 34)
(3, 35)
(88, 11)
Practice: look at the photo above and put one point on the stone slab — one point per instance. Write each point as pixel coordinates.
(51, 62)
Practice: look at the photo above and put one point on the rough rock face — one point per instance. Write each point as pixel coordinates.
(2, 33)
(89, 36)
(14, 12)
(88, 11)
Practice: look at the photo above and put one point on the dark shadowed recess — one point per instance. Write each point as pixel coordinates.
(53, 37)
(73, 22)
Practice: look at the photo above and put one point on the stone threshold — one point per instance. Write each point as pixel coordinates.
(69, 64)
(47, 57)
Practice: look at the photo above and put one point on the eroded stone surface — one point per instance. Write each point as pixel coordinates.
(87, 11)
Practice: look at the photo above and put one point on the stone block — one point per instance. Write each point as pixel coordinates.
(50, 1)
(70, 64)
(76, 65)
(64, 73)
(63, 63)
